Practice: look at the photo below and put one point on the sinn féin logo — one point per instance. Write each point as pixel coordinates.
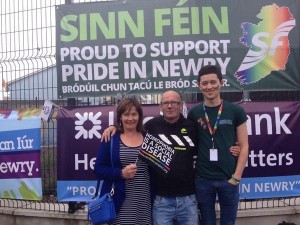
(267, 42)
(88, 125)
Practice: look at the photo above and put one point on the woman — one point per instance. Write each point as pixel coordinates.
(131, 177)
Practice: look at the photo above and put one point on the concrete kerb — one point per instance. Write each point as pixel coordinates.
(21, 212)
(287, 210)
(59, 211)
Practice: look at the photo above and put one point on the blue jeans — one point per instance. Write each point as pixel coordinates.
(183, 209)
(228, 195)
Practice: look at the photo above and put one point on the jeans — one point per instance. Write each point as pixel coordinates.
(228, 195)
(183, 209)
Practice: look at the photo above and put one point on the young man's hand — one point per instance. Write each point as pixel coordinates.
(235, 150)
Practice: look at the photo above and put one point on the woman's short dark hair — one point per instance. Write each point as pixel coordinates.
(208, 69)
(126, 104)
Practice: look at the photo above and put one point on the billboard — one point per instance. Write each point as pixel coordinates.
(138, 46)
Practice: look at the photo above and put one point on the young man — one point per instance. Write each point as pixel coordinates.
(218, 173)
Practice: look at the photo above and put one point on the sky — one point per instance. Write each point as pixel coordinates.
(27, 37)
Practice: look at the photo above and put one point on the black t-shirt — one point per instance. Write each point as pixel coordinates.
(183, 135)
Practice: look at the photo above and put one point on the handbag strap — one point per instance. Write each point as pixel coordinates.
(112, 165)
(98, 182)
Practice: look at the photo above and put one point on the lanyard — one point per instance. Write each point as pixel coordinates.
(213, 131)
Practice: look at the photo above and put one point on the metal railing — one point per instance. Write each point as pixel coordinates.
(27, 48)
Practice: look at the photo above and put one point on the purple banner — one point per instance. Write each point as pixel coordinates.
(79, 131)
(274, 131)
(20, 165)
(273, 127)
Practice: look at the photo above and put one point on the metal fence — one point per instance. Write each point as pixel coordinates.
(27, 55)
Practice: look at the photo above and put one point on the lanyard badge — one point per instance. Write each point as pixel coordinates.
(213, 154)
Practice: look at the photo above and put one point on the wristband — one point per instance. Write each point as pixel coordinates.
(237, 181)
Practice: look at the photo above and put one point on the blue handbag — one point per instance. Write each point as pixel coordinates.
(102, 210)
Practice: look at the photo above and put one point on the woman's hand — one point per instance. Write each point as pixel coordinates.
(128, 172)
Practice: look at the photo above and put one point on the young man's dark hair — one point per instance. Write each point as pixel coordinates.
(208, 69)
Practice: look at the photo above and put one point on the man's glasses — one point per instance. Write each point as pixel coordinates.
(172, 103)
